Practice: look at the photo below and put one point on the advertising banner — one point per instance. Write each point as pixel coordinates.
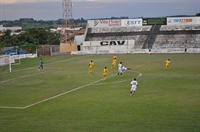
(154, 21)
(131, 22)
(106, 45)
(181, 20)
(107, 23)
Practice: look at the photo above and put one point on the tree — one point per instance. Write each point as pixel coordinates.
(5, 40)
(52, 38)
(31, 39)
(198, 14)
(28, 42)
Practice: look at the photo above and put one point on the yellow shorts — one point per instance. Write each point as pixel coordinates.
(104, 74)
(166, 65)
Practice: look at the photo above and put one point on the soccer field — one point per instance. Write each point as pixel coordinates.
(64, 97)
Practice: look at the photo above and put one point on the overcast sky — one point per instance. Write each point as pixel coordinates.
(88, 9)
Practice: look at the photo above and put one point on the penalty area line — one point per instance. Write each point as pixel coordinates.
(47, 99)
(53, 97)
(23, 76)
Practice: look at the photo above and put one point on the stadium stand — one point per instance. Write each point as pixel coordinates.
(177, 36)
(155, 36)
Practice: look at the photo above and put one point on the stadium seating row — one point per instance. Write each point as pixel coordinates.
(179, 27)
(118, 29)
(177, 41)
(156, 36)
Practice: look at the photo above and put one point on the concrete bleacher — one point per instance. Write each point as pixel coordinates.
(156, 36)
(177, 41)
(119, 33)
(178, 36)
(179, 27)
(118, 29)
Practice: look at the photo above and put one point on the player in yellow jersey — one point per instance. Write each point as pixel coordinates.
(105, 71)
(114, 61)
(91, 65)
(167, 63)
(114, 57)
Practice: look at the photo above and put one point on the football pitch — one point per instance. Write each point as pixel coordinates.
(64, 97)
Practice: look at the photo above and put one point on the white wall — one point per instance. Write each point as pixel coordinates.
(108, 45)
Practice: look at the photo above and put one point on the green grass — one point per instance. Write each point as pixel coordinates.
(165, 101)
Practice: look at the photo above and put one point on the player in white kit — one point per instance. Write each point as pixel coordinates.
(120, 68)
(134, 84)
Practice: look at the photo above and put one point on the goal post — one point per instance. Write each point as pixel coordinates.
(5, 60)
(9, 60)
(15, 59)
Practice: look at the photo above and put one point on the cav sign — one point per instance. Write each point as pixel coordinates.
(132, 22)
(106, 43)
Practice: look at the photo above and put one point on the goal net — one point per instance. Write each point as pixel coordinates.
(10, 60)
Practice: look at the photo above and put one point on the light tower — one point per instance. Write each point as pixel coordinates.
(67, 22)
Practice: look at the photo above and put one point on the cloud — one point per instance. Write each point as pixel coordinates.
(16, 1)
(87, 9)
(102, 1)
(9, 1)
(25, 1)
(132, 0)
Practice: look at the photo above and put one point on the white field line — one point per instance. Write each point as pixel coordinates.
(4, 81)
(44, 65)
(53, 97)
(50, 97)
(140, 74)
(23, 76)
(10, 107)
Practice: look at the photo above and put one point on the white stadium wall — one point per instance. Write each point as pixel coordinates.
(197, 20)
(133, 51)
(129, 46)
(90, 23)
(109, 46)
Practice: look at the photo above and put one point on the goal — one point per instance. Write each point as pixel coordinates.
(10, 60)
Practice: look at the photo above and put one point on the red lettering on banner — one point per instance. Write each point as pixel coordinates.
(114, 23)
(104, 21)
(185, 20)
(111, 22)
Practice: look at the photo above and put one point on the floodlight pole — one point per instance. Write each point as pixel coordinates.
(67, 21)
